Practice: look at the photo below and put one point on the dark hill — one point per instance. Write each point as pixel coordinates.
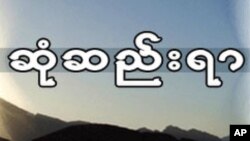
(17, 124)
(98, 132)
(21, 125)
(190, 134)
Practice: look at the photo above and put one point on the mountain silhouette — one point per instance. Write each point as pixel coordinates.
(190, 134)
(20, 125)
(17, 124)
(99, 132)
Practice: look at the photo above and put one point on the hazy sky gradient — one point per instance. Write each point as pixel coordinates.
(183, 100)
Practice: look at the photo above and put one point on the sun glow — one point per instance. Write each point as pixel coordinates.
(9, 90)
(242, 98)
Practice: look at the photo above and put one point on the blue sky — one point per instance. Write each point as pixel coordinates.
(183, 100)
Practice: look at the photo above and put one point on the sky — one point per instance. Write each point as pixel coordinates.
(183, 101)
